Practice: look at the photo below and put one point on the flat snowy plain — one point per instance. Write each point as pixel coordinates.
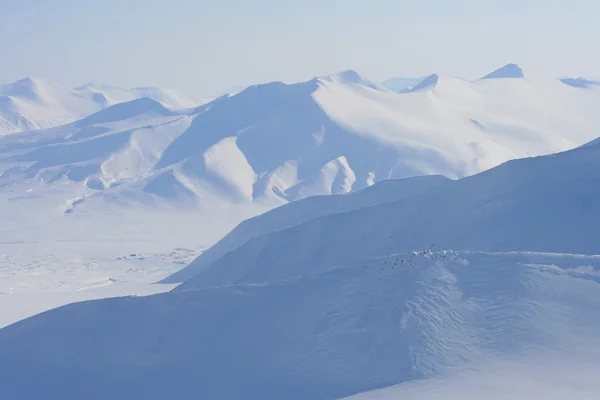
(32, 281)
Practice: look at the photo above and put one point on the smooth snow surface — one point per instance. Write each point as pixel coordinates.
(333, 333)
(544, 377)
(40, 280)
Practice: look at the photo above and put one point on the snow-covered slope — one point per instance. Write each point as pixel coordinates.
(537, 204)
(463, 127)
(322, 336)
(36, 104)
(109, 95)
(308, 209)
(33, 103)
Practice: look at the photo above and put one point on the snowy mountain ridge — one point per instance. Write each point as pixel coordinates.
(33, 103)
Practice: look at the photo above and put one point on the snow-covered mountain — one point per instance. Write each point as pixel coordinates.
(510, 71)
(34, 103)
(109, 95)
(185, 177)
(545, 204)
(241, 155)
(334, 306)
(306, 210)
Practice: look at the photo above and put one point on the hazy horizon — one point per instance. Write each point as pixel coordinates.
(206, 48)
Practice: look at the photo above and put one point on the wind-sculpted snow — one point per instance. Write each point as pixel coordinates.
(363, 326)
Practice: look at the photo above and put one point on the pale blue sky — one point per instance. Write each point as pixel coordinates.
(205, 47)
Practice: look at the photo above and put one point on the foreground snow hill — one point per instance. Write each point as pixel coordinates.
(171, 177)
(334, 333)
(34, 103)
(308, 209)
(547, 203)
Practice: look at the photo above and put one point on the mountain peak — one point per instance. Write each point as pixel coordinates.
(26, 87)
(127, 110)
(28, 81)
(428, 82)
(580, 82)
(349, 77)
(512, 71)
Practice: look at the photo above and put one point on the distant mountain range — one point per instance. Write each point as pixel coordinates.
(33, 103)
(270, 144)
